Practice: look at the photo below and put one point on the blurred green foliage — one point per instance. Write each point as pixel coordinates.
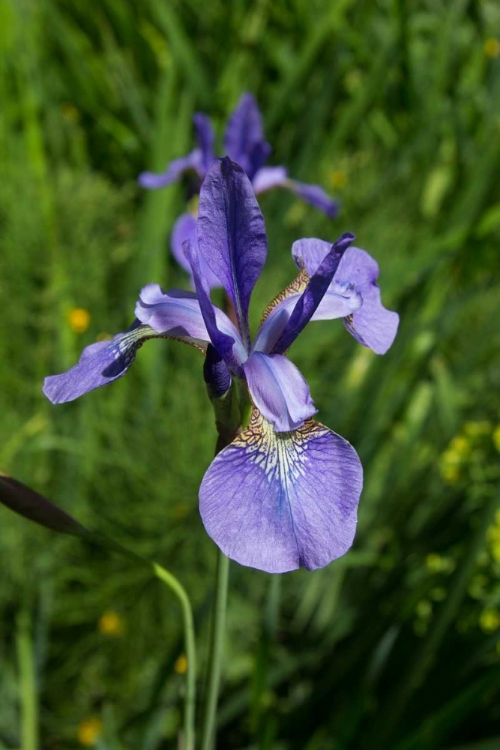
(394, 106)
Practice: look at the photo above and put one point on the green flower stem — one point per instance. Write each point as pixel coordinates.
(190, 645)
(27, 679)
(227, 410)
(216, 645)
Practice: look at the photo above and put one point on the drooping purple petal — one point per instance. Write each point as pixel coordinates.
(173, 171)
(313, 294)
(268, 178)
(229, 345)
(371, 324)
(277, 502)
(244, 138)
(100, 364)
(205, 135)
(315, 196)
(232, 235)
(278, 390)
(185, 228)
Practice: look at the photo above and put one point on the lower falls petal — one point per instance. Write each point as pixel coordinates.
(106, 361)
(278, 502)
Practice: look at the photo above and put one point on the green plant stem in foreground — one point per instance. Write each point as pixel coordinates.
(216, 644)
(29, 700)
(190, 645)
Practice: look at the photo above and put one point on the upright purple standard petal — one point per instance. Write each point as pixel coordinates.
(279, 391)
(231, 234)
(313, 294)
(277, 502)
(316, 196)
(371, 324)
(185, 229)
(206, 138)
(244, 139)
(229, 345)
(173, 171)
(99, 364)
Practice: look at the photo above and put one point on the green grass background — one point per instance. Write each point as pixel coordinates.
(395, 646)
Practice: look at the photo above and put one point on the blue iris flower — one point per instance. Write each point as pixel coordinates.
(284, 493)
(244, 143)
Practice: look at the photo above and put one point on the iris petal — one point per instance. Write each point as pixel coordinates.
(244, 138)
(223, 334)
(173, 171)
(371, 323)
(313, 294)
(316, 196)
(278, 390)
(100, 364)
(206, 138)
(277, 502)
(176, 313)
(231, 234)
(185, 228)
(268, 178)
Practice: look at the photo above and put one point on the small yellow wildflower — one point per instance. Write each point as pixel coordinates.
(181, 665)
(496, 437)
(89, 731)
(78, 319)
(477, 429)
(111, 624)
(490, 620)
(460, 445)
(338, 178)
(438, 564)
(491, 47)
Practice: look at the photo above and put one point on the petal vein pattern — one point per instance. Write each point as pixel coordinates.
(231, 234)
(277, 502)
